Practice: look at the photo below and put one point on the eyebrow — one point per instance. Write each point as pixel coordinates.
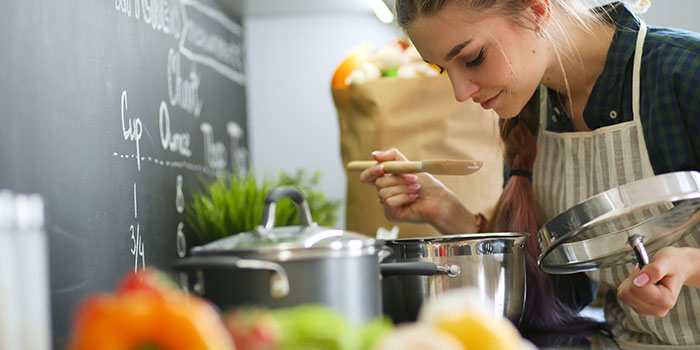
(455, 50)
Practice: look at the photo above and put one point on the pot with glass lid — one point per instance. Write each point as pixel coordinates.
(286, 266)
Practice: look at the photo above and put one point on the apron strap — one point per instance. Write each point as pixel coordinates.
(639, 49)
(543, 109)
(647, 169)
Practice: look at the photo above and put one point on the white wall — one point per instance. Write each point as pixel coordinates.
(674, 13)
(290, 61)
(667, 13)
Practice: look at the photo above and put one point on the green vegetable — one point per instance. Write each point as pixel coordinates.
(317, 327)
(372, 332)
(391, 72)
(311, 327)
(229, 206)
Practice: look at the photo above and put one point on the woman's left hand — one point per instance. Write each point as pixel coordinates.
(653, 291)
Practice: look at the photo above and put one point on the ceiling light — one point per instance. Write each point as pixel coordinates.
(381, 11)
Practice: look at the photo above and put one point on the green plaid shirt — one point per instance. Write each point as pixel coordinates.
(670, 92)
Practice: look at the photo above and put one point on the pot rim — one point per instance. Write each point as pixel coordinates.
(282, 254)
(462, 237)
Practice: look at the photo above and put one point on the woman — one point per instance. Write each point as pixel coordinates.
(608, 101)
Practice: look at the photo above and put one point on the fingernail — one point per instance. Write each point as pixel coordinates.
(413, 195)
(413, 187)
(409, 177)
(641, 280)
(377, 153)
(379, 169)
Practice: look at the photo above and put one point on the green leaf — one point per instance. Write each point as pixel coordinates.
(229, 206)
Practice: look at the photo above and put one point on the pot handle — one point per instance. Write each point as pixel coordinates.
(279, 282)
(268, 218)
(384, 253)
(419, 268)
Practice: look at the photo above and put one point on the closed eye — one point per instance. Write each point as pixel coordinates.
(479, 58)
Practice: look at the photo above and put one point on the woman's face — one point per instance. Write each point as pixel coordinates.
(491, 59)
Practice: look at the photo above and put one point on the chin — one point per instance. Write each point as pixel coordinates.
(507, 114)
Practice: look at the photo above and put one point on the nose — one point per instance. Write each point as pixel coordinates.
(464, 89)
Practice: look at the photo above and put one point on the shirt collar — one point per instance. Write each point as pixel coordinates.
(608, 89)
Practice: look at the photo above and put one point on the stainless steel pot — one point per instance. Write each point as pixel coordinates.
(493, 262)
(287, 266)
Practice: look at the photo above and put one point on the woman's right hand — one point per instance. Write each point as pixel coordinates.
(419, 198)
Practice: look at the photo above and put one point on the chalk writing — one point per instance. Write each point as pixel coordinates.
(179, 196)
(136, 207)
(171, 164)
(214, 152)
(227, 52)
(183, 92)
(223, 54)
(175, 142)
(239, 154)
(163, 15)
(138, 248)
(181, 242)
(206, 38)
(134, 131)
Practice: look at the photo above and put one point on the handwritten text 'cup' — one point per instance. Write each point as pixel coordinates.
(134, 130)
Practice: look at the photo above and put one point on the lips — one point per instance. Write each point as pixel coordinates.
(487, 104)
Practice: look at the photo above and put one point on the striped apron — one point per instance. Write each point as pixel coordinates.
(573, 166)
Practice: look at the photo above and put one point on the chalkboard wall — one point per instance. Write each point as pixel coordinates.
(111, 110)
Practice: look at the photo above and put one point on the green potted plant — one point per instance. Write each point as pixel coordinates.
(228, 206)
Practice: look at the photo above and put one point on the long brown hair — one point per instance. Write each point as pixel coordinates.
(515, 212)
(516, 208)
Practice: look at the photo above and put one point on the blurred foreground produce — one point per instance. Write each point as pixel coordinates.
(307, 327)
(419, 336)
(253, 328)
(146, 313)
(470, 318)
(226, 207)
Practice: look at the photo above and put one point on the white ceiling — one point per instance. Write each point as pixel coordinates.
(250, 8)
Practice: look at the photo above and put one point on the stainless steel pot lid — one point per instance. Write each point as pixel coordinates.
(463, 237)
(290, 242)
(620, 225)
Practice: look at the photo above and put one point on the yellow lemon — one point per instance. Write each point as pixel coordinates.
(479, 331)
(417, 336)
(472, 318)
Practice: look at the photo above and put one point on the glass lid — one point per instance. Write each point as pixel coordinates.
(286, 238)
(622, 225)
(281, 243)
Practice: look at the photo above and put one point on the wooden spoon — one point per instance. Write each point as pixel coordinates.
(434, 166)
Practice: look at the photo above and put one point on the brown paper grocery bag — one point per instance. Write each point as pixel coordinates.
(420, 117)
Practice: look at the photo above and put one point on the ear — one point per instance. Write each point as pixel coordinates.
(542, 10)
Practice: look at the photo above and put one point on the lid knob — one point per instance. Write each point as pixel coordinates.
(268, 218)
(637, 243)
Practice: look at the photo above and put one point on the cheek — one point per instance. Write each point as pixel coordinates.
(515, 79)
(501, 70)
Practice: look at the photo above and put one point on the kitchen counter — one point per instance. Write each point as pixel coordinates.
(556, 340)
(562, 341)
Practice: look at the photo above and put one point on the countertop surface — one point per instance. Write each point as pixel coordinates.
(556, 340)
(563, 341)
